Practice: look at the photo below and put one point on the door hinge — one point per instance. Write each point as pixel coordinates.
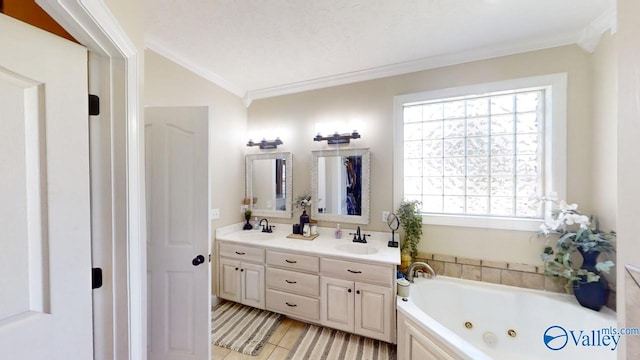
(94, 104)
(96, 278)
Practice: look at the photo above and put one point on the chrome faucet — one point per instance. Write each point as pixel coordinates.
(411, 274)
(266, 228)
(359, 238)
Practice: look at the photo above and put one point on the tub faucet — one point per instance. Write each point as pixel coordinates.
(419, 264)
(265, 228)
(359, 238)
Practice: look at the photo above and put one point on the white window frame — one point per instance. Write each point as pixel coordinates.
(554, 140)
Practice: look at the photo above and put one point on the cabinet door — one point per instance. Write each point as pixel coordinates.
(373, 315)
(230, 280)
(337, 303)
(252, 285)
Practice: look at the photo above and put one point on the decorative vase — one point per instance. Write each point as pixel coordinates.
(592, 295)
(248, 225)
(304, 218)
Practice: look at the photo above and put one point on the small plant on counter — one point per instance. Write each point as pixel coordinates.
(411, 223)
(247, 214)
(303, 202)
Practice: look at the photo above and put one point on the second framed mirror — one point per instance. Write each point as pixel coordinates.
(340, 185)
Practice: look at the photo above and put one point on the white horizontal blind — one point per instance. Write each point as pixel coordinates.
(478, 155)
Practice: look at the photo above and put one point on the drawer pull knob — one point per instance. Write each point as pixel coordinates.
(358, 292)
(239, 253)
(291, 261)
(291, 282)
(291, 305)
(349, 290)
(354, 271)
(236, 269)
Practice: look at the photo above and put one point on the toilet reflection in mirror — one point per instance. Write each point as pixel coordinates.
(341, 185)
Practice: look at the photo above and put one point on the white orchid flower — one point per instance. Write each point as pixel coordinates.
(566, 207)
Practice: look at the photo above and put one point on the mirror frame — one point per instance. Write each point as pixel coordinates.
(366, 171)
(288, 157)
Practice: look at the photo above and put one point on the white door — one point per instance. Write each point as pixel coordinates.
(178, 247)
(45, 256)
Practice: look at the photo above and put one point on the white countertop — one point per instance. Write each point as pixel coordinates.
(324, 245)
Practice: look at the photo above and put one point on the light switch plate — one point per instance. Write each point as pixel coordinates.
(215, 214)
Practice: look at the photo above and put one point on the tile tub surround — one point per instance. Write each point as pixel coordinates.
(498, 272)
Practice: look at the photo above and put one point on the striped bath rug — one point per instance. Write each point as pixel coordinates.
(320, 343)
(242, 328)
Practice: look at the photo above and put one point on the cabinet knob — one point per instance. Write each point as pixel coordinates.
(237, 269)
(241, 270)
(349, 290)
(358, 292)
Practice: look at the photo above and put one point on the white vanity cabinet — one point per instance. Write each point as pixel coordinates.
(241, 274)
(358, 297)
(293, 284)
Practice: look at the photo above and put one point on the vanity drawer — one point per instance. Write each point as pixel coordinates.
(240, 252)
(355, 271)
(293, 261)
(295, 305)
(293, 282)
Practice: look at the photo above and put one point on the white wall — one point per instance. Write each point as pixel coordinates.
(628, 94)
(371, 103)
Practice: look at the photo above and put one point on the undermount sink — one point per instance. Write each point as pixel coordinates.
(255, 234)
(356, 248)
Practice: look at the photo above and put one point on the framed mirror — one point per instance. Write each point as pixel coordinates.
(340, 185)
(269, 184)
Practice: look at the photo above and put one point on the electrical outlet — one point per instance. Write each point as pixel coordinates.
(385, 215)
(215, 214)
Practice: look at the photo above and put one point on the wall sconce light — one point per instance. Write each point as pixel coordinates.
(338, 138)
(264, 144)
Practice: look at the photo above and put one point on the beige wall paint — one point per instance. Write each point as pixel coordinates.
(169, 84)
(372, 103)
(604, 135)
(628, 57)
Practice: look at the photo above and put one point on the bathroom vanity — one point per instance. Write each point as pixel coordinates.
(331, 282)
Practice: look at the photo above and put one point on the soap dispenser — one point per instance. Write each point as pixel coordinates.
(256, 224)
(338, 232)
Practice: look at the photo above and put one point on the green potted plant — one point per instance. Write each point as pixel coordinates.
(411, 223)
(576, 232)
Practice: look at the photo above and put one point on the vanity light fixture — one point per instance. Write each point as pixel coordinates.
(338, 138)
(266, 144)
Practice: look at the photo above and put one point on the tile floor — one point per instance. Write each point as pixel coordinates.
(277, 348)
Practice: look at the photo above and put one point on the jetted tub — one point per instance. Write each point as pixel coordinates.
(447, 318)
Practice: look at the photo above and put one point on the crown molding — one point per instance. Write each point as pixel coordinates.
(587, 39)
(591, 34)
(197, 69)
(414, 66)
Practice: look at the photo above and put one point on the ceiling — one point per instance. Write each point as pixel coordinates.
(263, 48)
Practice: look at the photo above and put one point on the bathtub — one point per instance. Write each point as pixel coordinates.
(447, 318)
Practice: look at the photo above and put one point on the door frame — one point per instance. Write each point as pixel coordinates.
(93, 25)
